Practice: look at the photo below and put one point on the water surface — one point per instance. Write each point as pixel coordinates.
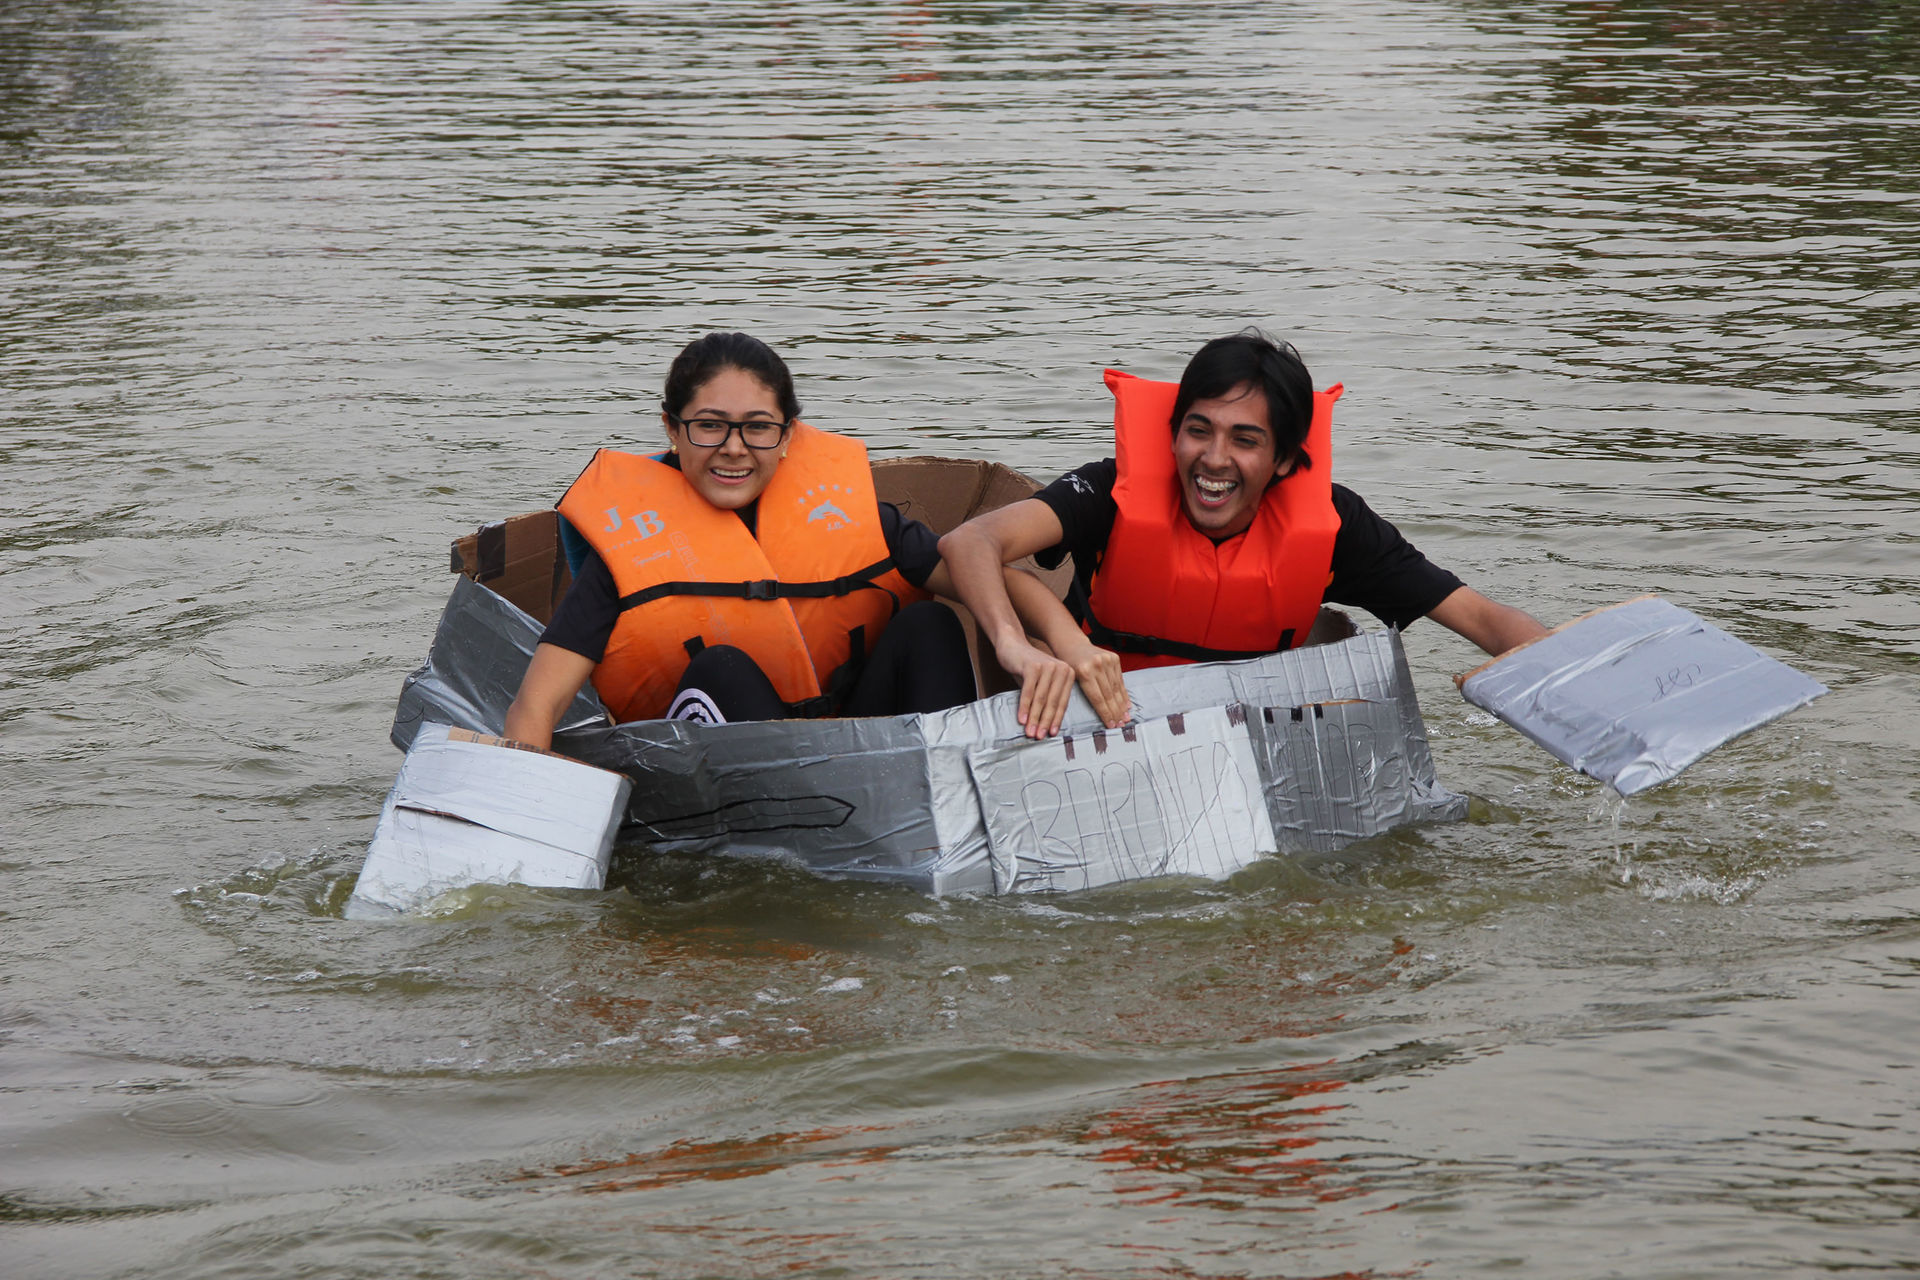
(293, 293)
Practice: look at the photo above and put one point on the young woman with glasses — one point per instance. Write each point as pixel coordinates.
(748, 573)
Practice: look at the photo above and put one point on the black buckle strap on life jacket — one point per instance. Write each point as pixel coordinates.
(839, 684)
(842, 680)
(1153, 646)
(767, 588)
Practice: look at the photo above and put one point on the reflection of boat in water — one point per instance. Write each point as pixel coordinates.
(1299, 752)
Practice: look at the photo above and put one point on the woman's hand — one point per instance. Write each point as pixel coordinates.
(1046, 684)
(553, 677)
(1098, 671)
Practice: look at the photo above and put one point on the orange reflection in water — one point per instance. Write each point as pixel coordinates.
(727, 1158)
(1227, 1144)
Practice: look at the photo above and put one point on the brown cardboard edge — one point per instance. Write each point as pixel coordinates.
(456, 734)
(509, 539)
(1460, 681)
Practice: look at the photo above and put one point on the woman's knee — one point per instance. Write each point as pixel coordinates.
(721, 662)
(931, 622)
(723, 684)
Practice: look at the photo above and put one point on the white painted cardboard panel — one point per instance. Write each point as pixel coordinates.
(465, 812)
(1177, 795)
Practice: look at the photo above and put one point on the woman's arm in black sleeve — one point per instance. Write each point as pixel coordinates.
(563, 661)
(583, 621)
(914, 547)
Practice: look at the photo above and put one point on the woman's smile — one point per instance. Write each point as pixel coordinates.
(729, 475)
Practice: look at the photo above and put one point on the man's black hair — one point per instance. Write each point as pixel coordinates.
(1274, 369)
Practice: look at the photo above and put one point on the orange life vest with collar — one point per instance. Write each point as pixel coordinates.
(1165, 592)
(805, 596)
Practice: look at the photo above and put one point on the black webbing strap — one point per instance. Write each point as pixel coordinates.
(764, 588)
(839, 684)
(1153, 646)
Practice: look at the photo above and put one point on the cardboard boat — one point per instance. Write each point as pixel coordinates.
(1223, 763)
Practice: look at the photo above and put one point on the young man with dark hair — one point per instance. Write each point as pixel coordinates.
(1215, 533)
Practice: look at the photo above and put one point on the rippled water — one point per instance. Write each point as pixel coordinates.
(291, 293)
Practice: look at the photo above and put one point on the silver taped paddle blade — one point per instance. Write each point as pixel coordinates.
(469, 809)
(1635, 693)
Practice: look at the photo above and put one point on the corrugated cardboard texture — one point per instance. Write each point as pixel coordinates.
(519, 559)
(945, 493)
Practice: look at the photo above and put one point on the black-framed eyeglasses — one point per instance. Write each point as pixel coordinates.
(712, 433)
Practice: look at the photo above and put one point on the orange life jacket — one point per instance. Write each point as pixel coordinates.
(1167, 593)
(805, 596)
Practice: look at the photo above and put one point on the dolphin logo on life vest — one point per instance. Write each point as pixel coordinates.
(834, 516)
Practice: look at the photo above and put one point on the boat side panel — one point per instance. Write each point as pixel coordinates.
(841, 797)
(480, 650)
(1327, 783)
(891, 799)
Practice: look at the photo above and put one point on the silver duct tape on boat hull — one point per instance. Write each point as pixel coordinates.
(897, 799)
(844, 797)
(1634, 693)
(1339, 772)
(480, 650)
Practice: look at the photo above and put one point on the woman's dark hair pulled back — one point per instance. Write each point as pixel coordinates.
(717, 352)
(1274, 369)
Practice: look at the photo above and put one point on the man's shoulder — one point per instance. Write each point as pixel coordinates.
(1082, 500)
(1090, 480)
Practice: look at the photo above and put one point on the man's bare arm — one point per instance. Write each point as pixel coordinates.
(1495, 627)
